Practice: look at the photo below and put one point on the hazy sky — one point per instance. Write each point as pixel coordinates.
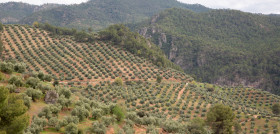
(255, 6)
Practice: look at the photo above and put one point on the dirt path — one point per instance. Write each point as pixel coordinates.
(182, 91)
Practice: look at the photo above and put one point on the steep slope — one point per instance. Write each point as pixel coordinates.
(108, 105)
(80, 63)
(221, 46)
(13, 12)
(99, 14)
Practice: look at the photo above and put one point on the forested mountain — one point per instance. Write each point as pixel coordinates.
(220, 46)
(13, 12)
(99, 14)
(57, 80)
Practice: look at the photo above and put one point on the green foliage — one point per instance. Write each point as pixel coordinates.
(98, 128)
(81, 112)
(121, 36)
(118, 81)
(64, 91)
(97, 113)
(2, 76)
(64, 102)
(119, 112)
(37, 125)
(159, 78)
(34, 93)
(26, 100)
(105, 13)
(276, 109)
(53, 121)
(20, 67)
(209, 87)
(13, 117)
(7, 67)
(171, 126)
(220, 118)
(198, 126)
(220, 46)
(71, 129)
(1, 27)
(16, 80)
(12, 88)
(32, 82)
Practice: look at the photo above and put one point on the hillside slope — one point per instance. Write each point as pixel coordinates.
(70, 61)
(90, 98)
(221, 46)
(99, 14)
(13, 12)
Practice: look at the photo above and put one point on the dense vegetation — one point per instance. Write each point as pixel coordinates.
(149, 107)
(99, 14)
(220, 46)
(13, 12)
(104, 86)
(136, 44)
(59, 55)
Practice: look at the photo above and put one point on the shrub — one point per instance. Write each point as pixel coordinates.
(276, 109)
(97, 113)
(7, 67)
(119, 112)
(171, 126)
(20, 67)
(33, 93)
(118, 81)
(128, 129)
(159, 78)
(32, 82)
(81, 112)
(53, 121)
(64, 91)
(26, 100)
(71, 129)
(98, 128)
(2, 77)
(12, 88)
(16, 80)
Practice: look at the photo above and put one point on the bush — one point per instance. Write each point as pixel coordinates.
(98, 128)
(276, 109)
(7, 67)
(33, 93)
(64, 91)
(12, 88)
(81, 112)
(2, 77)
(20, 67)
(53, 121)
(128, 129)
(16, 80)
(119, 112)
(26, 100)
(118, 81)
(71, 129)
(171, 126)
(32, 82)
(159, 78)
(97, 113)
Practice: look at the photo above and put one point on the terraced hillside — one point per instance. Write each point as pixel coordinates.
(186, 101)
(149, 105)
(69, 61)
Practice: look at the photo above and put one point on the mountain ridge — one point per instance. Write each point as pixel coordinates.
(99, 14)
(220, 46)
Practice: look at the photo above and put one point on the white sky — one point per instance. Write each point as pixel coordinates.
(254, 6)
